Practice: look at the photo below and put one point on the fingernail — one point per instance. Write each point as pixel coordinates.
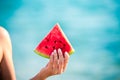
(55, 51)
(66, 53)
(59, 49)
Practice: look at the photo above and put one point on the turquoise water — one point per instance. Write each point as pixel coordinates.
(92, 26)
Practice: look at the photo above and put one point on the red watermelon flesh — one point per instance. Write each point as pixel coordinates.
(55, 39)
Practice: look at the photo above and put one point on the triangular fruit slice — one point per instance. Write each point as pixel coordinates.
(53, 40)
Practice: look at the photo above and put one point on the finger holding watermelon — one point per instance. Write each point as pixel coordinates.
(56, 65)
(61, 61)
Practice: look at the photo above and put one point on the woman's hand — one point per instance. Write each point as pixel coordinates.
(57, 65)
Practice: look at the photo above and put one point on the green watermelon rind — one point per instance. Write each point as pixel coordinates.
(41, 54)
(46, 56)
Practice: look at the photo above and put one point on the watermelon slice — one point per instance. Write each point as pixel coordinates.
(53, 40)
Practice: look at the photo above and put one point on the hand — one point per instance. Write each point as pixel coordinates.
(57, 65)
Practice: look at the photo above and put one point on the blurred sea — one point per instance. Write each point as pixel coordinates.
(92, 26)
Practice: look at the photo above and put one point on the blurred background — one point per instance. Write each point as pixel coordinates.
(92, 27)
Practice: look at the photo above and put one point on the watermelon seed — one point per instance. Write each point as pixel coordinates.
(64, 45)
(46, 47)
(54, 41)
(60, 41)
(47, 40)
(53, 47)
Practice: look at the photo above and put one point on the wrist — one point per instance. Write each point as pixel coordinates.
(43, 74)
(40, 76)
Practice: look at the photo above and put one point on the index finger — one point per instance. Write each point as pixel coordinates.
(51, 59)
